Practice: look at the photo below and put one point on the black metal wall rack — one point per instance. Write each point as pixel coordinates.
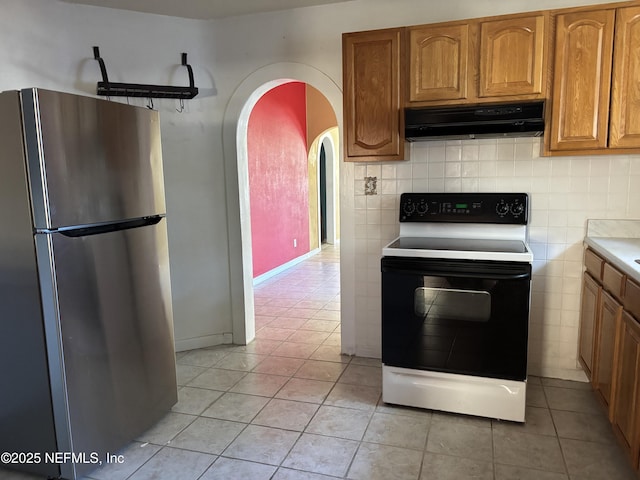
(113, 89)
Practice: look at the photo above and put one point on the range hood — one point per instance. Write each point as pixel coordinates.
(474, 121)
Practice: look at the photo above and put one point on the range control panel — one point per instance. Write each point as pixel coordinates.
(503, 208)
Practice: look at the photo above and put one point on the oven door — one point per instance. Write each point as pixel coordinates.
(458, 316)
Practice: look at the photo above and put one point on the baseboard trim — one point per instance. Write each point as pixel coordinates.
(291, 263)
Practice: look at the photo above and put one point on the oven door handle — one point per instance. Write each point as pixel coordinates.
(487, 271)
(484, 276)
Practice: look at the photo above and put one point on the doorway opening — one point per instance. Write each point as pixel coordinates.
(328, 181)
(323, 195)
(319, 136)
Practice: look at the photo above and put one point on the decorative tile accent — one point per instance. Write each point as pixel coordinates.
(370, 185)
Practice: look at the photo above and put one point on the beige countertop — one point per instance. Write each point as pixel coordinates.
(620, 252)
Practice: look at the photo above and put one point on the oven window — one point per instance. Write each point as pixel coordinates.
(451, 304)
(468, 318)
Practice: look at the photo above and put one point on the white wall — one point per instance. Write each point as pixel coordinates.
(48, 43)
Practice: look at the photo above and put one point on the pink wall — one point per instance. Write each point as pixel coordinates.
(277, 148)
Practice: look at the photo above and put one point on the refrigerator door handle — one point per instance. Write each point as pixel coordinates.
(74, 232)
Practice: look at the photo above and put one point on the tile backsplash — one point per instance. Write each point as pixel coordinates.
(564, 193)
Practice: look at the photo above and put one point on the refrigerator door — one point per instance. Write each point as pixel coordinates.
(26, 423)
(110, 328)
(91, 161)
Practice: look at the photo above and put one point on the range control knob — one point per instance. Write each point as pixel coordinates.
(502, 208)
(517, 209)
(422, 208)
(408, 208)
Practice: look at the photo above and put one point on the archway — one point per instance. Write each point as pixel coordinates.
(236, 175)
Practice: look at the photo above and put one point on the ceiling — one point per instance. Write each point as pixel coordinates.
(204, 9)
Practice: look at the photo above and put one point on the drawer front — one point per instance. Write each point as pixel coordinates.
(613, 280)
(594, 264)
(632, 298)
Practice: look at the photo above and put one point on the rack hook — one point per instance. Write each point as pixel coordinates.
(150, 104)
(181, 109)
(103, 68)
(106, 88)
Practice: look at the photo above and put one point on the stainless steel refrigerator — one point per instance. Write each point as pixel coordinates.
(86, 328)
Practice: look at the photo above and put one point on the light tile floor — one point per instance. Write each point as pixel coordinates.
(290, 407)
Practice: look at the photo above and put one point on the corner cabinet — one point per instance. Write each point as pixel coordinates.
(595, 97)
(490, 59)
(373, 95)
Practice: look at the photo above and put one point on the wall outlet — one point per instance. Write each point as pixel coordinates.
(295, 243)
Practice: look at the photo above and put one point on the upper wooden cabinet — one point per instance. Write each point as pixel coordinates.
(438, 62)
(512, 57)
(583, 61)
(582, 76)
(491, 59)
(625, 95)
(373, 95)
(595, 96)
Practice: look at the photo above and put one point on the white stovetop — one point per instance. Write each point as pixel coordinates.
(468, 242)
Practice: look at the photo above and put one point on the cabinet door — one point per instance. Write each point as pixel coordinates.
(625, 95)
(607, 329)
(372, 95)
(512, 56)
(439, 62)
(588, 312)
(582, 79)
(625, 420)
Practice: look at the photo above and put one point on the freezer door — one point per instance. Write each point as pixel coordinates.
(90, 160)
(110, 321)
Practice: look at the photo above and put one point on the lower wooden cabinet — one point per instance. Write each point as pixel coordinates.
(604, 375)
(609, 347)
(625, 412)
(588, 316)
